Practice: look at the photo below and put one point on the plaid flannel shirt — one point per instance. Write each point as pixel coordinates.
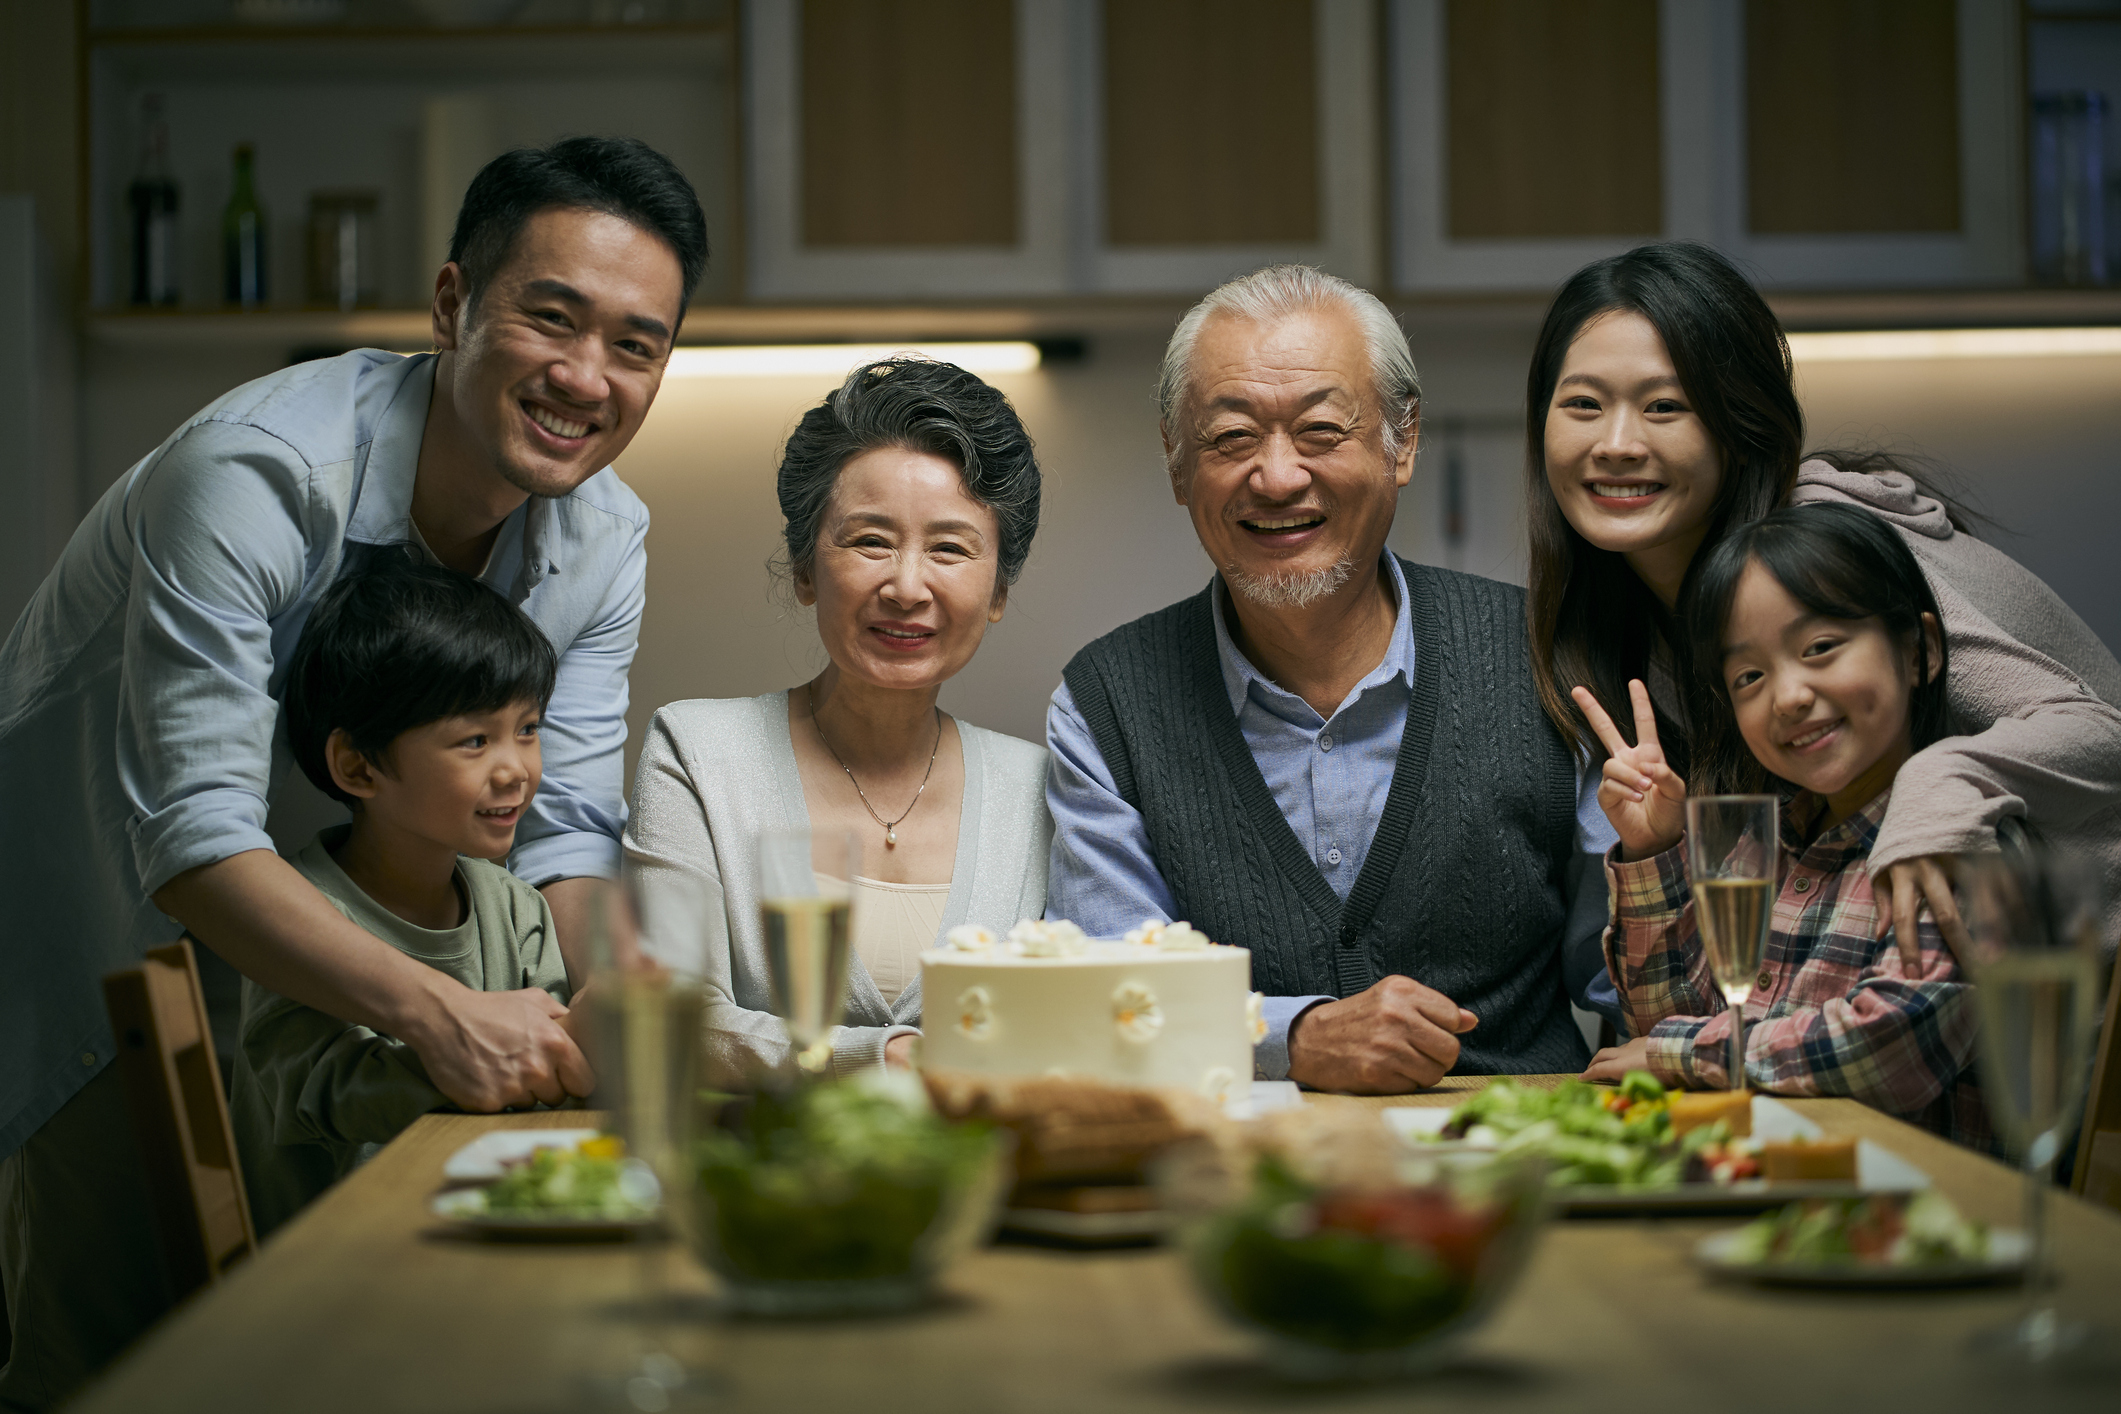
(1833, 1011)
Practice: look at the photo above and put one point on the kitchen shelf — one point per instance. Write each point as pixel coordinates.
(1426, 318)
(408, 329)
(282, 56)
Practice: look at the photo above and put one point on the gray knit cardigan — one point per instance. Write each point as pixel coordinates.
(716, 772)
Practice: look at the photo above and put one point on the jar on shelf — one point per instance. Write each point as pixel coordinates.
(342, 248)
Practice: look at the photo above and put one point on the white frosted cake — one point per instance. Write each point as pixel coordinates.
(1162, 1006)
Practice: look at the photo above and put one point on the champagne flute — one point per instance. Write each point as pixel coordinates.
(644, 1040)
(2036, 959)
(1733, 850)
(806, 902)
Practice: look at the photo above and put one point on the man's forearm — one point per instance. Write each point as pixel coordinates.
(574, 903)
(274, 926)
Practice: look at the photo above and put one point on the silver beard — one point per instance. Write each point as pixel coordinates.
(1289, 591)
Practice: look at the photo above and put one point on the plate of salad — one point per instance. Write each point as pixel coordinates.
(1916, 1239)
(587, 1189)
(1611, 1149)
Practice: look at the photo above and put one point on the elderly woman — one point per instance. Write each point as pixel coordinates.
(910, 497)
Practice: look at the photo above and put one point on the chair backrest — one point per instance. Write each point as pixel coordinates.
(2098, 1172)
(187, 1149)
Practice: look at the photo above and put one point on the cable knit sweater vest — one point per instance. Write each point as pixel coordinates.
(1463, 885)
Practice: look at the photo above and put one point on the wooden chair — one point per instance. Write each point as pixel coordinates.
(187, 1149)
(2098, 1172)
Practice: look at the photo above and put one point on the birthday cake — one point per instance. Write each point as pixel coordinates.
(1163, 1006)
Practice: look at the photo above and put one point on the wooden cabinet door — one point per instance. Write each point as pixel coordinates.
(909, 148)
(1851, 143)
(1229, 134)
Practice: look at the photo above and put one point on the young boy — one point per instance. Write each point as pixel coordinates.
(1817, 638)
(414, 696)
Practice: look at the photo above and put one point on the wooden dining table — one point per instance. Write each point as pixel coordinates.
(367, 1302)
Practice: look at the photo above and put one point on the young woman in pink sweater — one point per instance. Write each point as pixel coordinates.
(1662, 416)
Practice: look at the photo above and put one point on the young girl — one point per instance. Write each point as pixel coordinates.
(1818, 637)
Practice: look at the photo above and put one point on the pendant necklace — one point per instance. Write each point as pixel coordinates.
(890, 826)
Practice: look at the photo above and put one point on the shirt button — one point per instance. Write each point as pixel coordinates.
(88, 1058)
(1325, 743)
(1804, 886)
(1764, 981)
(1332, 856)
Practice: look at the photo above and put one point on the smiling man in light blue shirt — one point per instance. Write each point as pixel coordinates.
(139, 697)
(1331, 757)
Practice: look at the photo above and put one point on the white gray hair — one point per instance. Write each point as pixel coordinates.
(1274, 293)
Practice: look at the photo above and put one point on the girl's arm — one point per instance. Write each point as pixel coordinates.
(1656, 959)
(1878, 1032)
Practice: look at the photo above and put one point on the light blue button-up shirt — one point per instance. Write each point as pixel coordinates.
(1329, 775)
(139, 691)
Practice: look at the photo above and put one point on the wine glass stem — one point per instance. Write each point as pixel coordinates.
(2040, 1256)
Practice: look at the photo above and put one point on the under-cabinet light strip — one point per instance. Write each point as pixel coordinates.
(838, 360)
(1953, 343)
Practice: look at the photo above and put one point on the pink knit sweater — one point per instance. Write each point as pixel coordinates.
(2034, 693)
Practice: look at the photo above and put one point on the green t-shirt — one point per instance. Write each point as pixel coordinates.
(314, 1096)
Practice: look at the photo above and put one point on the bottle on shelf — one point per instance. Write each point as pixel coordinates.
(153, 198)
(243, 237)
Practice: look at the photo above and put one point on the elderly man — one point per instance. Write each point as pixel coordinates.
(139, 697)
(1330, 756)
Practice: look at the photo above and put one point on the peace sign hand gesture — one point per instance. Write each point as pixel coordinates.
(1643, 797)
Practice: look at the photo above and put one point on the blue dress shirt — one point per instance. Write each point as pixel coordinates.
(139, 691)
(1329, 775)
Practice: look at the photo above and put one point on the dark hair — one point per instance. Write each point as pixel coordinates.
(395, 644)
(619, 176)
(923, 406)
(1837, 561)
(1592, 621)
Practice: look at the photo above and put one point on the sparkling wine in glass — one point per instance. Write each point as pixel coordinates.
(1733, 850)
(646, 1013)
(2036, 959)
(806, 904)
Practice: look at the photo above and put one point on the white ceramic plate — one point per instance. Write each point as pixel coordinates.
(466, 1207)
(1088, 1227)
(2007, 1251)
(484, 1158)
(1878, 1170)
(1265, 1097)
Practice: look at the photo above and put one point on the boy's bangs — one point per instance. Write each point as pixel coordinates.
(399, 643)
(472, 668)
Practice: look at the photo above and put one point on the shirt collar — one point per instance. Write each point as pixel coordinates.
(1241, 680)
(1855, 835)
(382, 510)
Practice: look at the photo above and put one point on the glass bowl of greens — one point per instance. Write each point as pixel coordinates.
(1367, 1280)
(846, 1196)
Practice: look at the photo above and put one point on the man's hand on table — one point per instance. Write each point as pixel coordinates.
(1616, 1061)
(490, 1051)
(1396, 1037)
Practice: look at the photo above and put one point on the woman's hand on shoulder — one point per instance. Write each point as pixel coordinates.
(1642, 795)
(1908, 887)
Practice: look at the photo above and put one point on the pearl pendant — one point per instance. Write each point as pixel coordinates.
(890, 837)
